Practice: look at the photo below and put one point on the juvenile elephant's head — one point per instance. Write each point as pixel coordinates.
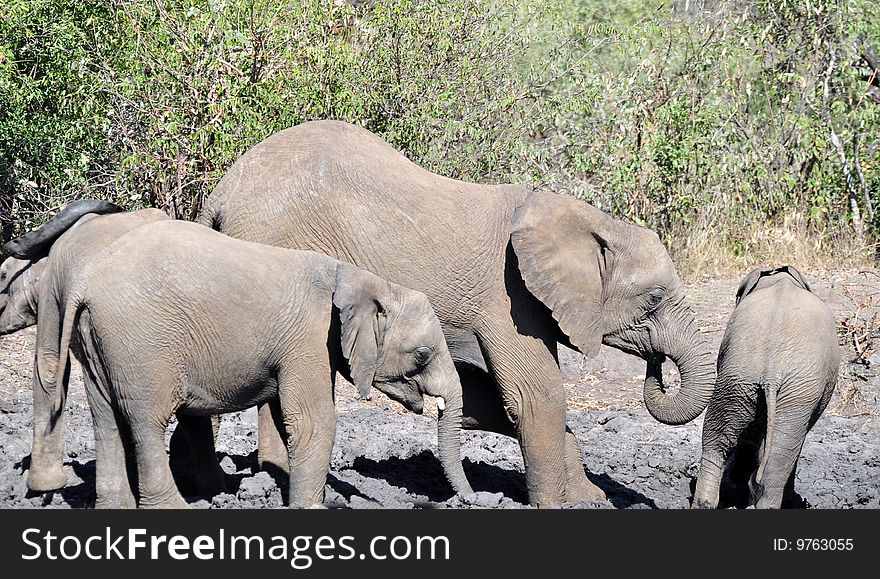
(610, 282)
(19, 289)
(393, 341)
(20, 274)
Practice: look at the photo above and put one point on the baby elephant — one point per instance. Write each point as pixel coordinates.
(174, 317)
(777, 369)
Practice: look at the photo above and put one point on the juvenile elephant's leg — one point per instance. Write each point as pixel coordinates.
(193, 445)
(790, 429)
(271, 448)
(113, 484)
(306, 403)
(722, 428)
(484, 410)
(534, 399)
(46, 471)
(147, 425)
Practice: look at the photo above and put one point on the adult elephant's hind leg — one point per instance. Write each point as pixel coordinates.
(534, 399)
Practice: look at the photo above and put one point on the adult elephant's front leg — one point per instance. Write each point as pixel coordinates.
(534, 400)
(484, 410)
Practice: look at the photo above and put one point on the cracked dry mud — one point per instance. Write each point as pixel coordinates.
(384, 458)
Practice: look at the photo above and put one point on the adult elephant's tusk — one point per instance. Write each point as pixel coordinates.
(441, 403)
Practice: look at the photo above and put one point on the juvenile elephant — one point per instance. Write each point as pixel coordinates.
(174, 317)
(38, 277)
(777, 369)
(510, 273)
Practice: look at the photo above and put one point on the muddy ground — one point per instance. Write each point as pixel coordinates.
(384, 458)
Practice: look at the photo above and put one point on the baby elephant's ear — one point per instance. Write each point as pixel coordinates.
(794, 273)
(362, 299)
(749, 283)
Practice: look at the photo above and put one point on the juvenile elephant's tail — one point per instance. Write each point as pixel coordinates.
(770, 398)
(72, 310)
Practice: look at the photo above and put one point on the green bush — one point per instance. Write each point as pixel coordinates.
(711, 124)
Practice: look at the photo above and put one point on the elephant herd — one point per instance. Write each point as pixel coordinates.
(324, 251)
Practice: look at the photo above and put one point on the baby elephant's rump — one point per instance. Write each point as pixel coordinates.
(777, 369)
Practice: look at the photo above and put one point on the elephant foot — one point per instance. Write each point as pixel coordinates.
(169, 503)
(45, 480)
(581, 489)
(272, 458)
(115, 503)
(702, 504)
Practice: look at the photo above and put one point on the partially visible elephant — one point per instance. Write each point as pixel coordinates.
(38, 278)
(777, 369)
(510, 273)
(20, 273)
(174, 317)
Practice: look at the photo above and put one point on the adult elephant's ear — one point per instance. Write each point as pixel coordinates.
(361, 299)
(560, 244)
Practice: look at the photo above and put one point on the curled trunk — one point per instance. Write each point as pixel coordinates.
(692, 356)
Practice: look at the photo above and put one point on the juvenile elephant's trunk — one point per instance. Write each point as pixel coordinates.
(691, 354)
(449, 436)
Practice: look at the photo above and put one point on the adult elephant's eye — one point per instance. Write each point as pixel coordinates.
(654, 298)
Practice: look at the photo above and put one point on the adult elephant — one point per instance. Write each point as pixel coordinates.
(510, 273)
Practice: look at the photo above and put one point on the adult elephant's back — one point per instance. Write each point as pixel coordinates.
(338, 189)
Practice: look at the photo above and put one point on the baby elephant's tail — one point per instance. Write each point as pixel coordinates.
(770, 398)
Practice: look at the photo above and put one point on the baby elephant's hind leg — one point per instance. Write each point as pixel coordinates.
(790, 430)
(722, 428)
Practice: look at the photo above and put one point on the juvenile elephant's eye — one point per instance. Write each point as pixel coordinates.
(654, 298)
(422, 355)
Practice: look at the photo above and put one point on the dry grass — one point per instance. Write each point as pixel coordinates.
(699, 252)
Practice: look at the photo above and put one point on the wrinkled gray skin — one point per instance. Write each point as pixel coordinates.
(777, 369)
(510, 273)
(71, 239)
(174, 317)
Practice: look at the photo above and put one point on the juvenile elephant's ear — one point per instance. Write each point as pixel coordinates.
(794, 273)
(748, 284)
(751, 280)
(361, 299)
(560, 244)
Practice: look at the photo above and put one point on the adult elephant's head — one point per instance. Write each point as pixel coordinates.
(393, 341)
(610, 282)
